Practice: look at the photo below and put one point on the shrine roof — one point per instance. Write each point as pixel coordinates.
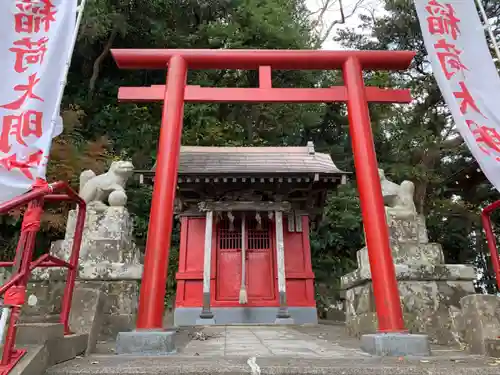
(254, 160)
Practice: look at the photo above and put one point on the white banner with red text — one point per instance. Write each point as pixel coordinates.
(36, 40)
(465, 72)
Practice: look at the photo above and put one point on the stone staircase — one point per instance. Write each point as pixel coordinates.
(46, 346)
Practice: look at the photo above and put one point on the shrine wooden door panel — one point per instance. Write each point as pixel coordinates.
(260, 270)
(259, 262)
(228, 260)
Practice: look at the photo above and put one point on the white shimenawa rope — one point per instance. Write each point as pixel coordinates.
(243, 290)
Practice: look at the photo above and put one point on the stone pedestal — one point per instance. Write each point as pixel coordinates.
(480, 322)
(396, 344)
(143, 343)
(427, 286)
(88, 303)
(109, 262)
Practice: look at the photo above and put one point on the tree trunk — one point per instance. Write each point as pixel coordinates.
(420, 195)
(98, 62)
(428, 161)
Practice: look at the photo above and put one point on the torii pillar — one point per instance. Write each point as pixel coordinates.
(354, 93)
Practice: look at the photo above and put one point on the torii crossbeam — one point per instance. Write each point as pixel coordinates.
(354, 93)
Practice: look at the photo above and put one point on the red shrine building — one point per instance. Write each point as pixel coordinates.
(244, 249)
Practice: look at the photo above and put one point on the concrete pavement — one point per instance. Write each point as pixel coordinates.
(255, 350)
(265, 341)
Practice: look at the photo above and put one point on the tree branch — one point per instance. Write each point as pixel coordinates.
(98, 62)
(327, 4)
(343, 17)
(452, 143)
(322, 10)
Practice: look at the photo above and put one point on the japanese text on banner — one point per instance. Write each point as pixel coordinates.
(465, 72)
(36, 38)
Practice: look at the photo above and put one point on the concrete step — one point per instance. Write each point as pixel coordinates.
(38, 333)
(177, 365)
(31, 363)
(69, 347)
(46, 318)
(49, 353)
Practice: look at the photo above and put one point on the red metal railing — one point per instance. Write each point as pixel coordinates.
(490, 237)
(23, 265)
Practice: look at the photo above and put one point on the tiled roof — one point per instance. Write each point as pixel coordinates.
(254, 160)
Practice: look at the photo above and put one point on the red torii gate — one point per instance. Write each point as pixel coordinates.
(176, 92)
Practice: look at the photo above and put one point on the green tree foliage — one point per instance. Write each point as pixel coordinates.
(416, 142)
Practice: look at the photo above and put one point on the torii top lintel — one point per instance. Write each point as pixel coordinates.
(252, 59)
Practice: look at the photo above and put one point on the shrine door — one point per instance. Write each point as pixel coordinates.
(260, 280)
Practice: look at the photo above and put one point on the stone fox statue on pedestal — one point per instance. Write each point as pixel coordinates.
(398, 199)
(110, 186)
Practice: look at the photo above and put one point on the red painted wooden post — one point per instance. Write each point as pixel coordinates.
(490, 238)
(151, 301)
(385, 288)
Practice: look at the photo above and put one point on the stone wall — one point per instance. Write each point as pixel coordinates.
(477, 324)
(119, 310)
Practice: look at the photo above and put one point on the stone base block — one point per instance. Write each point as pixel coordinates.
(414, 272)
(188, 316)
(67, 348)
(492, 348)
(284, 321)
(205, 322)
(416, 254)
(145, 343)
(396, 344)
(458, 326)
(87, 314)
(362, 324)
(118, 306)
(481, 314)
(114, 324)
(425, 305)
